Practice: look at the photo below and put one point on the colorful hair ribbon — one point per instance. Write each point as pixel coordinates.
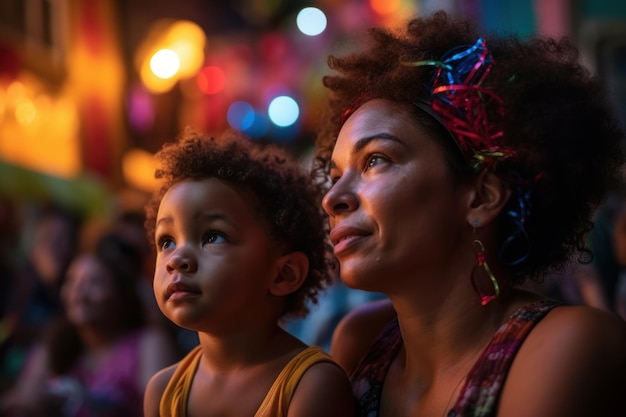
(471, 112)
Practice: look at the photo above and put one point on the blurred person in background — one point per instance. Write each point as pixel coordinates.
(97, 359)
(613, 277)
(32, 299)
(9, 242)
(131, 225)
(600, 283)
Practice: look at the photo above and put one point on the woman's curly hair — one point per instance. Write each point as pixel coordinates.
(288, 200)
(566, 137)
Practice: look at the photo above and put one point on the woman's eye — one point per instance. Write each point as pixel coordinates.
(215, 237)
(373, 160)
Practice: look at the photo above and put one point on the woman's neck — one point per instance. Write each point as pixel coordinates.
(442, 337)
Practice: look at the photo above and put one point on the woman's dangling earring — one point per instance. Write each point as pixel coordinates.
(481, 264)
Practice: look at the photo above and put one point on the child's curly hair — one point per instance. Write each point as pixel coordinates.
(288, 200)
(566, 138)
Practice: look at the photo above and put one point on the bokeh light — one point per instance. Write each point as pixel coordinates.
(385, 7)
(140, 110)
(188, 41)
(211, 79)
(171, 51)
(138, 167)
(240, 115)
(311, 21)
(259, 127)
(165, 63)
(283, 111)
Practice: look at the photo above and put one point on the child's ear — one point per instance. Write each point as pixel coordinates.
(294, 268)
(488, 198)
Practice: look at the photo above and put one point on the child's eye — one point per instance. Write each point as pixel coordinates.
(165, 243)
(214, 237)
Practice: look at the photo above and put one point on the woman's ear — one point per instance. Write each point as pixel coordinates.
(488, 198)
(293, 269)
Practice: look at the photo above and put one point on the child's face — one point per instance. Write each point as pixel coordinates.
(215, 257)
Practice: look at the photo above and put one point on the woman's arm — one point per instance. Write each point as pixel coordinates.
(356, 332)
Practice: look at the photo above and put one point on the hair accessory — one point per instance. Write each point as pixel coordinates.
(472, 113)
(516, 247)
(356, 103)
(481, 263)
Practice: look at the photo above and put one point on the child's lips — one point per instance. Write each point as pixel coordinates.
(179, 289)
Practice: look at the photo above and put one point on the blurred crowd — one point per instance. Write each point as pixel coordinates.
(600, 279)
(81, 334)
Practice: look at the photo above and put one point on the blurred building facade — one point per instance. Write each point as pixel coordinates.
(82, 111)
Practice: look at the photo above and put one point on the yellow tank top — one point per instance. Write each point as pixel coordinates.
(276, 402)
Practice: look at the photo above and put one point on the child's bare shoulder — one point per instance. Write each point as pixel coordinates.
(323, 390)
(155, 389)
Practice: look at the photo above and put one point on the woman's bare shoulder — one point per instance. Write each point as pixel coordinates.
(582, 331)
(573, 363)
(356, 332)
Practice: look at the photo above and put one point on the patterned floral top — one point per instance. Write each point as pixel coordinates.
(481, 392)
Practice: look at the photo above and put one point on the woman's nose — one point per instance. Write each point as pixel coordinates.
(340, 198)
(181, 261)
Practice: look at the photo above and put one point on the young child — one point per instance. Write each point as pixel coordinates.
(241, 244)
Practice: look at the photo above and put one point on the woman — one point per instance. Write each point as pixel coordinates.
(461, 168)
(97, 360)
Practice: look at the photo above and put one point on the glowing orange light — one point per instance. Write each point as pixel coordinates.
(171, 51)
(138, 167)
(385, 7)
(164, 63)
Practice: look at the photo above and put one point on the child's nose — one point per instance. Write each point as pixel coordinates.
(181, 260)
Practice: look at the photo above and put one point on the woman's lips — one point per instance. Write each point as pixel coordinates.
(344, 237)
